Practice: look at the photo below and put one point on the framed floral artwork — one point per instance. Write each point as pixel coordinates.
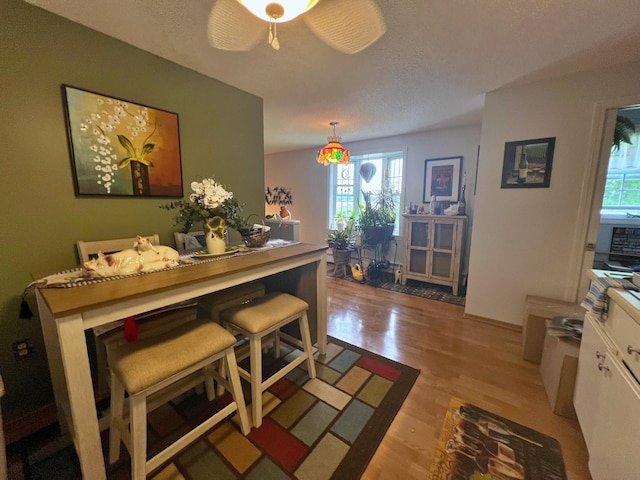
(527, 163)
(442, 179)
(121, 148)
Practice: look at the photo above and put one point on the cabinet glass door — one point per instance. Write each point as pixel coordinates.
(441, 265)
(418, 261)
(443, 236)
(419, 234)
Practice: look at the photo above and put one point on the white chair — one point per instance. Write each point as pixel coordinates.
(172, 315)
(189, 242)
(154, 366)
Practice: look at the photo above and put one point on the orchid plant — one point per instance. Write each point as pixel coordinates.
(208, 201)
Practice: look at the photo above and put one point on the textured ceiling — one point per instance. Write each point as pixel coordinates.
(429, 70)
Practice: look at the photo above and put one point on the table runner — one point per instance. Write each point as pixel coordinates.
(71, 278)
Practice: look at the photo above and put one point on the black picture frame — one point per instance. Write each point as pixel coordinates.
(539, 155)
(119, 148)
(442, 178)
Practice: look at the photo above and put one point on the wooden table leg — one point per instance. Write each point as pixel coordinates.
(321, 292)
(84, 417)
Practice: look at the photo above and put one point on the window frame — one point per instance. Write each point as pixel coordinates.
(617, 169)
(388, 156)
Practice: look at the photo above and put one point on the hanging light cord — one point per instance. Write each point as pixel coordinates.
(274, 11)
(273, 39)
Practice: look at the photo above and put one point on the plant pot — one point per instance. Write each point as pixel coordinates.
(341, 257)
(377, 235)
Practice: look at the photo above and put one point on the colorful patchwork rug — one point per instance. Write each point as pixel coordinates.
(323, 428)
(479, 445)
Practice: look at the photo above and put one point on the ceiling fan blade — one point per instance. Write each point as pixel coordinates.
(349, 26)
(232, 27)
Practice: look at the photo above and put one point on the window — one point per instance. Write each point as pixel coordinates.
(364, 173)
(622, 187)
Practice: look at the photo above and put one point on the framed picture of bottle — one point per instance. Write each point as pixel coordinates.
(527, 163)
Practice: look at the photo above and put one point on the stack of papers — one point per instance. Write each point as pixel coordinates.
(566, 327)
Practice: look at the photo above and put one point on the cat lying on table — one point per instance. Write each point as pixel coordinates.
(143, 257)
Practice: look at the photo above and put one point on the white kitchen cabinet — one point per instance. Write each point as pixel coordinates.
(614, 453)
(433, 249)
(591, 361)
(607, 393)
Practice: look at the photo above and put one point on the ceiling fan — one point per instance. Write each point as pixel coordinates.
(349, 26)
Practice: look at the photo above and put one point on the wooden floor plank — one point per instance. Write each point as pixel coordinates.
(477, 362)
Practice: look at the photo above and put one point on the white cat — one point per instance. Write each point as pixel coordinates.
(143, 257)
(398, 276)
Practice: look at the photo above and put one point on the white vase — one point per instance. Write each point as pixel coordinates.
(215, 245)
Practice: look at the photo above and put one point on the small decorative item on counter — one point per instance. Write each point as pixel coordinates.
(413, 208)
(432, 205)
(285, 214)
(462, 204)
(451, 210)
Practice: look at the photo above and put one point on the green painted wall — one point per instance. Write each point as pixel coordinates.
(221, 135)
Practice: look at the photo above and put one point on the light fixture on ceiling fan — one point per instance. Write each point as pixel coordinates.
(333, 152)
(274, 12)
(346, 25)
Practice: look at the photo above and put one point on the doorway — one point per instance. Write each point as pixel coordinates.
(618, 244)
(594, 184)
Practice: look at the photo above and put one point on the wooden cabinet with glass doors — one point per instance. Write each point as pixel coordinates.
(433, 249)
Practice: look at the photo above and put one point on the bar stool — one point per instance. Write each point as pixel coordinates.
(152, 370)
(261, 318)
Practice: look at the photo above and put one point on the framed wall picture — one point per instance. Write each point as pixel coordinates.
(121, 148)
(527, 163)
(442, 179)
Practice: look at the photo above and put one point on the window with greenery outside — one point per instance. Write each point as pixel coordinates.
(622, 187)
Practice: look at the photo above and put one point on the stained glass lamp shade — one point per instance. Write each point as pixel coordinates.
(333, 152)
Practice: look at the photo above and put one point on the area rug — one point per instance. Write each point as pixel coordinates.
(431, 291)
(479, 445)
(325, 428)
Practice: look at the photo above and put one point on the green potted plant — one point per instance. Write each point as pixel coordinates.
(377, 217)
(341, 243)
(342, 219)
(622, 133)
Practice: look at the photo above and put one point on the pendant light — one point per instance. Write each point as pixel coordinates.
(333, 152)
(277, 11)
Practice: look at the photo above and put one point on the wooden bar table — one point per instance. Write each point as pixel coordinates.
(65, 314)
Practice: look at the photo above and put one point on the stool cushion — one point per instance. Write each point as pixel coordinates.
(144, 363)
(264, 312)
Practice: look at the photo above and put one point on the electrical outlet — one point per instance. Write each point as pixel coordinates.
(22, 348)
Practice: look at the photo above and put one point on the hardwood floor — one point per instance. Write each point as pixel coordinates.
(474, 361)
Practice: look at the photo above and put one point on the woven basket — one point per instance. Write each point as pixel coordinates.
(255, 237)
